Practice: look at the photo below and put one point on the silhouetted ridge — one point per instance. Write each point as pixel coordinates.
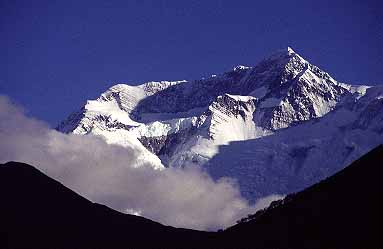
(39, 212)
(342, 211)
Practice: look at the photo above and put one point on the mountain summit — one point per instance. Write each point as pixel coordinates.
(276, 127)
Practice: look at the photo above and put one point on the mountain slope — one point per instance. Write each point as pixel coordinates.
(38, 212)
(342, 211)
(291, 159)
(245, 123)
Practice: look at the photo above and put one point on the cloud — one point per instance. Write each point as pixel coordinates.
(264, 202)
(107, 174)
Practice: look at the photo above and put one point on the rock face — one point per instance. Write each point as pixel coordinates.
(271, 126)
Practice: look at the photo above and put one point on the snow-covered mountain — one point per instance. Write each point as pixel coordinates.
(276, 127)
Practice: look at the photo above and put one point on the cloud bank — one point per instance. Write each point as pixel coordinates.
(107, 174)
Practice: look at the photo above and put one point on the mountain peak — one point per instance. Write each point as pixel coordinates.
(285, 54)
(290, 51)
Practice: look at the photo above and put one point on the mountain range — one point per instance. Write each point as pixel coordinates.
(276, 128)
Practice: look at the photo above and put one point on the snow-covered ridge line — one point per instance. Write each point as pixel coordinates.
(240, 67)
(241, 98)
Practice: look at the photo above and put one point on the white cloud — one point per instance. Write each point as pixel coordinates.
(106, 174)
(264, 202)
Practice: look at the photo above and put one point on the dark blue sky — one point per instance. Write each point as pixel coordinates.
(56, 54)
